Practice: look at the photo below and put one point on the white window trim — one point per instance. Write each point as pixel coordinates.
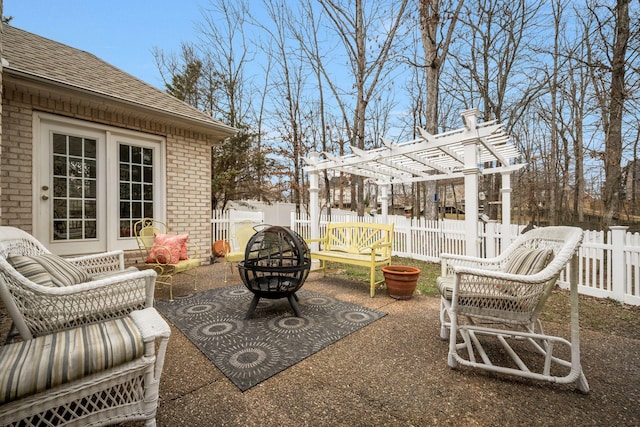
(112, 136)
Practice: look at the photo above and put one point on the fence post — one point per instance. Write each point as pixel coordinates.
(408, 236)
(618, 260)
(490, 238)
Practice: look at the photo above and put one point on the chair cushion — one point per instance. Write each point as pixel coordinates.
(63, 273)
(528, 261)
(32, 366)
(168, 248)
(445, 286)
(53, 268)
(187, 264)
(31, 269)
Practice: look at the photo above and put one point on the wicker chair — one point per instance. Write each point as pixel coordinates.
(108, 291)
(162, 258)
(97, 374)
(240, 234)
(91, 353)
(493, 305)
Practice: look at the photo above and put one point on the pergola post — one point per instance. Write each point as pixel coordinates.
(314, 203)
(471, 173)
(384, 202)
(506, 207)
(471, 208)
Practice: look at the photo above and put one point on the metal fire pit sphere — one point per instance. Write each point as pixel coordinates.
(276, 264)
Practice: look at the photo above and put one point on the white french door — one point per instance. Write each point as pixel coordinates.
(91, 184)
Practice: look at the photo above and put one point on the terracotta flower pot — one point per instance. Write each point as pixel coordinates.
(401, 280)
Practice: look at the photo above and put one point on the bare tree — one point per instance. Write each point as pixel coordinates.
(306, 30)
(494, 66)
(288, 83)
(613, 157)
(606, 56)
(354, 26)
(435, 53)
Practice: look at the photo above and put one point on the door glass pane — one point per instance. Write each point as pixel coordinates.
(74, 187)
(136, 186)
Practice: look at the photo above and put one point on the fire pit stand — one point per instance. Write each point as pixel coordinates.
(277, 262)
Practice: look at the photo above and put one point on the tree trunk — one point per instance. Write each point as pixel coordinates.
(429, 11)
(613, 153)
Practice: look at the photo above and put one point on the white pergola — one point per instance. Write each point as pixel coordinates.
(459, 153)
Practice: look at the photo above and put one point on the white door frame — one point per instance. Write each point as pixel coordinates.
(108, 139)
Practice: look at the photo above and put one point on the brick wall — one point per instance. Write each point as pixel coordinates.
(16, 169)
(188, 181)
(189, 191)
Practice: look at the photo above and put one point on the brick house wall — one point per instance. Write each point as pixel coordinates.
(188, 162)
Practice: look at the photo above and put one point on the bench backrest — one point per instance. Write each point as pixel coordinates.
(359, 238)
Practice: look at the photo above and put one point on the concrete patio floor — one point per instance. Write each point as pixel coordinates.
(392, 373)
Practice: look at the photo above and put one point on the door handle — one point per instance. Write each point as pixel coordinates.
(45, 197)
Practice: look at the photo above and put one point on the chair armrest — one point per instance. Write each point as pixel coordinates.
(164, 251)
(464, 259)
(49, 309)
(193, 252)
(155, 333)
(539, 277)
(101, 263)
(450, 261)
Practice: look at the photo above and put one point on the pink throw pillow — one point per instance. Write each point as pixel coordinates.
(183, 248)
(168, 248)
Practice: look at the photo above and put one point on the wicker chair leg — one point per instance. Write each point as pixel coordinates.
(444, 324)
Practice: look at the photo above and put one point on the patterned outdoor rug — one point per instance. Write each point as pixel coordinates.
(250, 351)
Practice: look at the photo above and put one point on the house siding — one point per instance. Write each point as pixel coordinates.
(188, 163)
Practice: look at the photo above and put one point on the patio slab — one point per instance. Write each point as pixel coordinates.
(393, 373)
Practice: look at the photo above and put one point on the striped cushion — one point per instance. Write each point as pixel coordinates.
(31, 269)
(528, 261)
(62, 272)
(445, 286)
(39, 364)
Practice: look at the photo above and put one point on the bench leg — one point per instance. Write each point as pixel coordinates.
(372, 281)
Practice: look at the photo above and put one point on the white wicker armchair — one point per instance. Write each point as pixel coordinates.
(493, 304)
(97, 374)
(92, 353)
(111, 291)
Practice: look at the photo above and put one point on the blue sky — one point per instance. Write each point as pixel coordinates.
(121, 32)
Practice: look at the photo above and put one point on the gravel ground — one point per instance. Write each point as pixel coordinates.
(393, 373)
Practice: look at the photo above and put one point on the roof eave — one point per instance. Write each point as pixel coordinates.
(211, 127)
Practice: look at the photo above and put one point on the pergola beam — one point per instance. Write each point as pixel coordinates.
(458, 153)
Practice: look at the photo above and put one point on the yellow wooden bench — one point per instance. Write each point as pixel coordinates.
(356, 243)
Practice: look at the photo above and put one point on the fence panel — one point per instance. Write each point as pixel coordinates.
(609, 262)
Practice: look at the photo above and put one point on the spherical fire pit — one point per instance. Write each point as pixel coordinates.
(276, 264)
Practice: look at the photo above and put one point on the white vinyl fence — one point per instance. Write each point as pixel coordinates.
(609, 261)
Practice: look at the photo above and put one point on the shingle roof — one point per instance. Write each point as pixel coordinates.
(59, 64)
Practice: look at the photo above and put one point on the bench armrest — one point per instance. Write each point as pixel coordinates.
(321, 239)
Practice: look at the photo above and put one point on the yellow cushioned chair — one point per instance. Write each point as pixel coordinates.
(158, 252)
